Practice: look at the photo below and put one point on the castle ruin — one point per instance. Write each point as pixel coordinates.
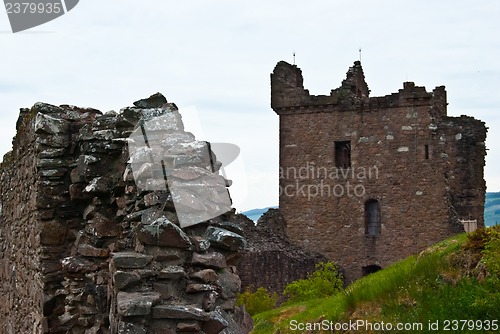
(370, 180)
(89, 245)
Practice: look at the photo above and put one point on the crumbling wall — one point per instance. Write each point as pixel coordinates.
(271, 260)
(97, 251)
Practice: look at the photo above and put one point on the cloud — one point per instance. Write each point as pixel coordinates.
(217, 56)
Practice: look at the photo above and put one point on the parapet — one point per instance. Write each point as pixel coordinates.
(288, 94)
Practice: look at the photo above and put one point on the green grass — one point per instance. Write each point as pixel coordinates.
(428, 287)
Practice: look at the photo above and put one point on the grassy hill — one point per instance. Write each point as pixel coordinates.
(492, 209)
(457, 279)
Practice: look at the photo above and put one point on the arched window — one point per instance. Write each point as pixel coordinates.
(372, 217)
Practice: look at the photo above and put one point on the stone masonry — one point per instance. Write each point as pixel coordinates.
(271, 261)
(86, 249)
(370, 180)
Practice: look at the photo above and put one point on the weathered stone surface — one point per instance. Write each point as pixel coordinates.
(52, 163)
(104, 227)
(179, 312)
(124, 279)
(168, 256)
(216, 323)
(98, 185)
(91, 251)
(51, 152)
(183, 327)
(163, 232)
(55, 141)
(230, 284)
(195, 287)
(225, 239)
(75, 264)
(53, 232)
(172, 273)
(135, 303)
(177, 138)
(209, 260)
(131, 260)
(50, 125)
(200, 244)
(156, 100)
(205, 275)
(130, 328)
(53, 173)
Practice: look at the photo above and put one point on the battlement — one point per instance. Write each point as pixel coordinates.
(288, 94)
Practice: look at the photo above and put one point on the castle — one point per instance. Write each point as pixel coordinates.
(370, 180)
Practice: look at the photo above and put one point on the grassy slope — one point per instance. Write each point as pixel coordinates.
(437, 284)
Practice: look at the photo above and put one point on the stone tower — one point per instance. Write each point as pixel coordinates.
(369, 180)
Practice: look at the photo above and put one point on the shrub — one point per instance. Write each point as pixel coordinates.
(491, 252)
(257, 302)
(477, 239)
(325, 281)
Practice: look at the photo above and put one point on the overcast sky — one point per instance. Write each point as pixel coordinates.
(215, 57)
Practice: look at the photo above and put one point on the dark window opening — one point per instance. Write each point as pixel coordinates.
(373, 268)
(343, 154)
(426, 149)
(372, 217)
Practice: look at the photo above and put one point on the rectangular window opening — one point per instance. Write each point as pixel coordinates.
(426, 151)
(343, 154)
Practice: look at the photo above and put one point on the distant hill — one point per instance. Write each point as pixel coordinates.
(492, 209)
(255, 214)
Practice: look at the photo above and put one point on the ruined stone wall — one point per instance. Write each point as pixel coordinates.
(87, 249)
(21, 284)
(271, 260)
(423, 168)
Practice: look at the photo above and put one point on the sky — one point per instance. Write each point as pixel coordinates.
(214, 58)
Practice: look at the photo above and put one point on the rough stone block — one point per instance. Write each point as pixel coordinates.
(131, 260)
(172, 273)
(45, 124)
(179, 312)
(124, 279)
(91, 251)
(216, 323)
(163, 232)
(209, 260)
(225, 239)
(205, 275)
(103, 227)
(135, 303)
(53, 233)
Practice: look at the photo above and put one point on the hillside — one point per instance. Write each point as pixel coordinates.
(492, 209)
(457, 279)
